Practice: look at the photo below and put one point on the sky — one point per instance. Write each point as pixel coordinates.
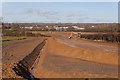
(60, 12)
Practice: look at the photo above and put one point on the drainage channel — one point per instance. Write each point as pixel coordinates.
(24, 67)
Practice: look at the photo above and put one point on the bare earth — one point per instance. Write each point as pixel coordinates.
(65, 58)
(14, 51)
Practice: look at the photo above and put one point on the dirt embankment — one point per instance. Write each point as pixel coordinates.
(102, 52)
(61, 60)
(13, 52)
(86, 53)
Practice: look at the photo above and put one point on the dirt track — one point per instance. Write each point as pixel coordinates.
(65, 58)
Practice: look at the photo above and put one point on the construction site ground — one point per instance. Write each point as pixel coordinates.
(63, 57)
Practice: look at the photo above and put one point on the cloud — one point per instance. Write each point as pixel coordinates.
(53, 13)
(84, 17)
(46, 12)
(52, 18)
(9, 12)
(29, 11)
(101, 20)
(71, 15)
(76, 18)
(78, 15)
(40, 12)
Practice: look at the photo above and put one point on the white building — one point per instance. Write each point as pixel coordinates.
(92, 26)
(76, 27)
(60, 28)
(27, 27)
(46, 26)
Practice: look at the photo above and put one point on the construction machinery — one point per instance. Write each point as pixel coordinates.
(77, 34)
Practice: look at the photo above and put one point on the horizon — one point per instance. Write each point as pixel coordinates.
(55, 23)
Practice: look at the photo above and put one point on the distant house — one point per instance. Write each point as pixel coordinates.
(46, 26)
(82, 28)
(7, 26)
(31, 27)
(76, 27)
(60, 28)
(93, 26)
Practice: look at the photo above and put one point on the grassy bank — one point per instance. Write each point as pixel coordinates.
(10, 39)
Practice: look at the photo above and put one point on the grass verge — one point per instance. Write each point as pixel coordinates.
(10, 39)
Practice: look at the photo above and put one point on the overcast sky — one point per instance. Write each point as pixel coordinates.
(64, 12)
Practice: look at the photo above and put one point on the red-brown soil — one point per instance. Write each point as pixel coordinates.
(64, 58)
(14, 51)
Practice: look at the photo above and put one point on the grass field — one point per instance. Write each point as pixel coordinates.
(10, 39)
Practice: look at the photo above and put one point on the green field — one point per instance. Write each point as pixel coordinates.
(10, 39)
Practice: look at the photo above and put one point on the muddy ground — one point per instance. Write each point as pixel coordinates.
(64, 58)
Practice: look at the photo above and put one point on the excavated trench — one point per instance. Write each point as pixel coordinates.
(23, 68)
